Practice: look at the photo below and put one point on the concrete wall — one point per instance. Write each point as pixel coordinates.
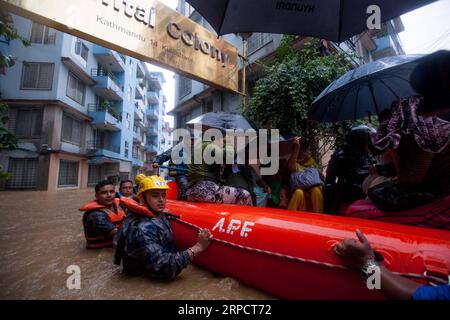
(53, 172)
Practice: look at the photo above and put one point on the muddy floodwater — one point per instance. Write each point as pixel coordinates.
(41, 235)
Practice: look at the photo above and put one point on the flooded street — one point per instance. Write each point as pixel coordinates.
(41, 234)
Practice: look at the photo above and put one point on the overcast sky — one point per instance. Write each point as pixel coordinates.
(426, 30)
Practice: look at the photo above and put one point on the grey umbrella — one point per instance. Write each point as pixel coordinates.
(223, 121)
(335, 20)
(366, 90)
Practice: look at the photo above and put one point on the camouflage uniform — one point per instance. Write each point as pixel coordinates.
(146, 246)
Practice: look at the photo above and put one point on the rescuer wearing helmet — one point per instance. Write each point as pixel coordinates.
(145, 243)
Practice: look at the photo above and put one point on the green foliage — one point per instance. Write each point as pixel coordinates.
(113, 110)
(7, 140)
(288, 89)
(8, 32)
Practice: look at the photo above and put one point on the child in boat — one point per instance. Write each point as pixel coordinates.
(145, 243)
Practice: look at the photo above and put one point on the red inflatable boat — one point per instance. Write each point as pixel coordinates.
(289, 254)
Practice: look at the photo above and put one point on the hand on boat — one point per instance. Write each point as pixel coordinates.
(204, 238)
(203, 242)
(355, 254)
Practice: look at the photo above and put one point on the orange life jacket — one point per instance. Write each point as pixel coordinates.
(136, 207)
(115, 218)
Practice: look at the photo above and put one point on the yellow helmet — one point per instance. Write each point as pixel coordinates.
(152, 183)
(139, 178)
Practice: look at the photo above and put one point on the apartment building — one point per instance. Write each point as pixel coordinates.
(80, 111)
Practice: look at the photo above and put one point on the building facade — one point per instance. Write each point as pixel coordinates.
(81, 112)
(193, 98)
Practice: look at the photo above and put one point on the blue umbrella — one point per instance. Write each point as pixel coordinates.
(366, 90)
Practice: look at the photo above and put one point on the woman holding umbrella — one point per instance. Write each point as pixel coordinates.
(419, 147)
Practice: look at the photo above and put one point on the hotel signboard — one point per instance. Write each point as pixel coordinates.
(144, 29)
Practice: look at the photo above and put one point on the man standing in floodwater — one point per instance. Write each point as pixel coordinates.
(145, 243)
(103, 216)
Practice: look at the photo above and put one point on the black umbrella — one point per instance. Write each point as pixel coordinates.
(335, 20)
(366, 90)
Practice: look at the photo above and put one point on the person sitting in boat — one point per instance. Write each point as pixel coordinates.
(360, 257)
(279, 186)
(181, 170)
(349, 166)
(205, 180)
(102, 216)
(415, 135)
(244, 176)
(145, 243)
(420, 151)
(305, 178)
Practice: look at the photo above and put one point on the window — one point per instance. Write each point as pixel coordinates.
(94, 175)
(28, 123)
(68, 173)
(127, 149)
(258, 40)
(23, 173)
(37, 76)
(75, 89)
(185, 87)
(81, 49)
(130, 90)
(42, 34)
(71, 130)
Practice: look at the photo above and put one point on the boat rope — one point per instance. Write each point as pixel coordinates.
(425, 277)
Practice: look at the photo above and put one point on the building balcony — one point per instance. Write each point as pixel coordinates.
(138, 115)
(152, 114)
(139, 94)
(137, 162)
(102, 152)
(140, 103)
(110, 58)
(107, 85)
(382, 43)
(152, 131)
(141, 83)
(137, 137)
(104, 118)
(152, 97)
(151, 148)
(154, 83)
(140, 71)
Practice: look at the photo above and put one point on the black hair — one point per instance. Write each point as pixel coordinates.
(431, 79)
(124, 181)
(102, 183)
(427, 77)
